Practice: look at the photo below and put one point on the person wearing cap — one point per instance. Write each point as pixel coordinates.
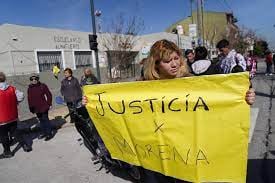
(9, 99)
(40, 101)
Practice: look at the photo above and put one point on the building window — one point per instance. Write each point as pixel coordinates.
(83, 59)
(47, 59)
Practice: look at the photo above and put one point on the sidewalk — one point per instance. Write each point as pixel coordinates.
(56, 118)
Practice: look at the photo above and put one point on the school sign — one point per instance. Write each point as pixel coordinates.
(195, 129)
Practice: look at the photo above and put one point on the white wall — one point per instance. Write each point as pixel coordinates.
(5, 65)
(24, 62)
(69, 59)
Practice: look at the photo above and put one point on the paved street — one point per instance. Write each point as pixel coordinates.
(65, 159)
(262, 147)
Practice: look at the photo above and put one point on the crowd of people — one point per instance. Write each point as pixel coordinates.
(165, 61)
(39, 99)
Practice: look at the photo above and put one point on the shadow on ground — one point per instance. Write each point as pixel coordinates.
(29, 130)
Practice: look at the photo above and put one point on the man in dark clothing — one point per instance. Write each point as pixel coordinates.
(71, 91)
(190, 55)
(268, 60)
(40, 101)
(201, 65)
(88, 78)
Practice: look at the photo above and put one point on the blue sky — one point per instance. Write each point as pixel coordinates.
(157, 15)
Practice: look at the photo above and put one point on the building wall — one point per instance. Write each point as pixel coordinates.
(24, 62)
(25, 42)
(215, 25)
(5, 64)
(69, 59)
(30, 38)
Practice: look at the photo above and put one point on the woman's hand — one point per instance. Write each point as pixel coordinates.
(84, 100)
(250, 96)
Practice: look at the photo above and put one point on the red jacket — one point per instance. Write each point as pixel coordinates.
(8, 105)
(268, 58)
(39, 98)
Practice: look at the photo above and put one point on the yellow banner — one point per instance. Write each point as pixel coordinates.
(194, 129)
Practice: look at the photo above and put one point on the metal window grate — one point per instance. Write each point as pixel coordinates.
(83, 59)
(47, 59)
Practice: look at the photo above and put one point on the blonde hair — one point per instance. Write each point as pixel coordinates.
(161, 50)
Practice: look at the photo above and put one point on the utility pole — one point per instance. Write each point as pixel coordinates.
(199, 20)
(202, 22)
(93, 40)
(191, 11)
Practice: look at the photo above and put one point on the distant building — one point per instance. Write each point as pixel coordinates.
(217, 25)
(26, 49)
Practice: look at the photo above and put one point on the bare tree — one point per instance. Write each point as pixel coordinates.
(119, 42)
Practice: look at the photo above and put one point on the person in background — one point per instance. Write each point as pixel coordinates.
(201, 65)
(251, 64)
(71, 90)
(40, 101)
(142, 63)
(9, 99)
(190, 56)
(268, 61)
(88, 78)
(56, 70)
(229, 61)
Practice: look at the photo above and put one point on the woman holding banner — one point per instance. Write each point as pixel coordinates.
(166, 62)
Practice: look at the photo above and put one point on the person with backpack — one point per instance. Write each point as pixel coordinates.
(230, 61)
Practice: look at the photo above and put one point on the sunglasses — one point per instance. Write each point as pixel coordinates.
(34, 78)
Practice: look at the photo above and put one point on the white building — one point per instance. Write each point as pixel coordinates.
(26, 49)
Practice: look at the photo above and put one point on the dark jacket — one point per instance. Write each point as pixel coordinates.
(39, 98)
(88, 80)
(71, 90)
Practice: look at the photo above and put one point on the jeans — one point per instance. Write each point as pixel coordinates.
(45, 124)
(6, 132)
(268, 68)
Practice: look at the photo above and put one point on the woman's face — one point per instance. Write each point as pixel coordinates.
(168, 69)
(34, 80)
(67, 74)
